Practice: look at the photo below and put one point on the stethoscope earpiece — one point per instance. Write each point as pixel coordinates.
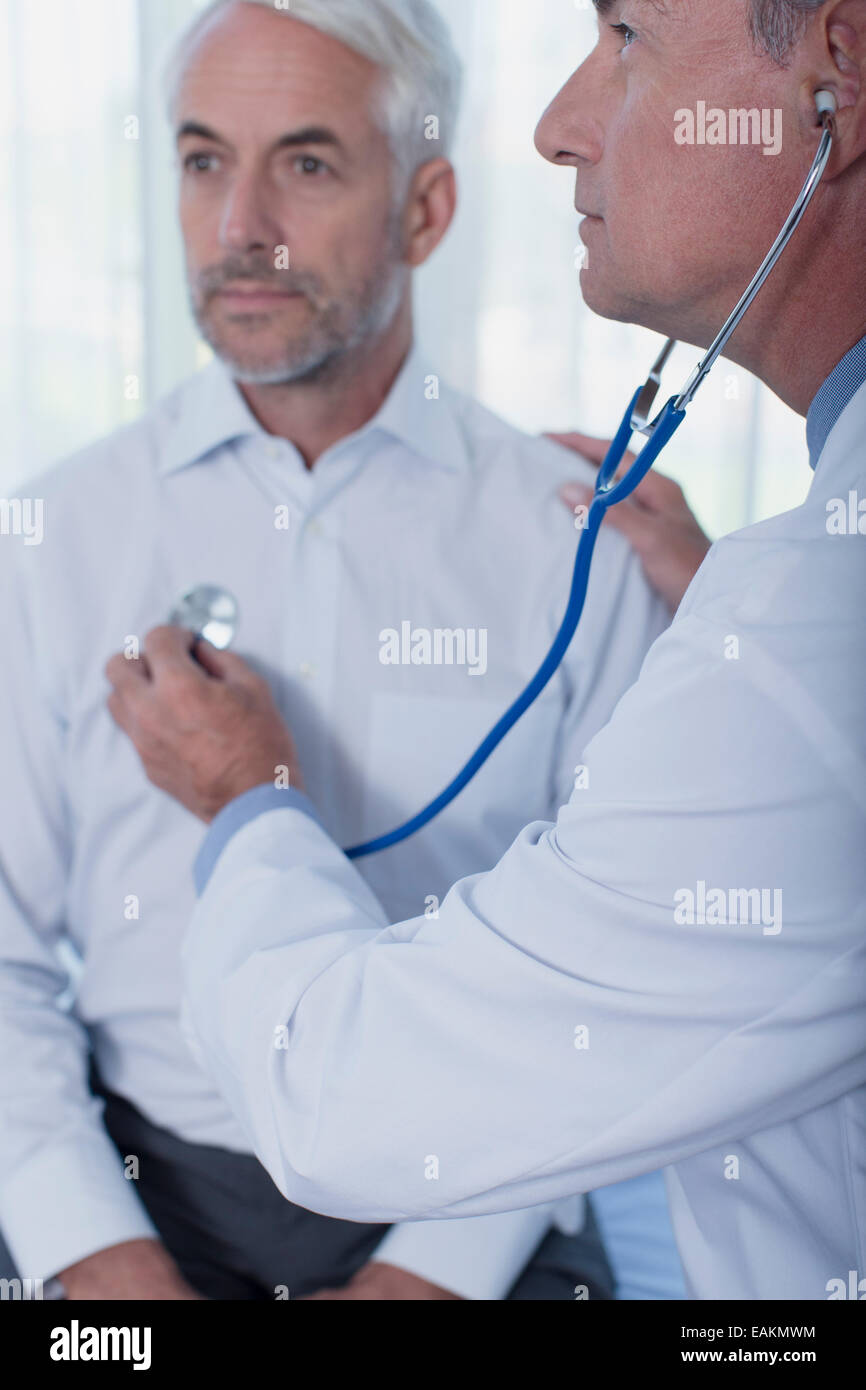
(826, 104)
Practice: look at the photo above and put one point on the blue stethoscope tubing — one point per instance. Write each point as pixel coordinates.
(609, 491)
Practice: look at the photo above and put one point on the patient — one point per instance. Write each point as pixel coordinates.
(322, 472)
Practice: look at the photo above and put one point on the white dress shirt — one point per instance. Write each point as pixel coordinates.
(436, 514)
(674, 972)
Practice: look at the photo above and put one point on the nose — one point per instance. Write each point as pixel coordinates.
(246, 223)
(569, 132)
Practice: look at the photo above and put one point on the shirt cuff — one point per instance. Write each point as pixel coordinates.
(68, 1201)
(239, 813)
(477, 1257)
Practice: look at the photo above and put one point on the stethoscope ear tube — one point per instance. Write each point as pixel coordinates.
(619, 444)
(826, 105)
(609, 490)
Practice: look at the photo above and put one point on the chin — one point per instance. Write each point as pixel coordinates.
(602, 298)
(256, 349)
(670, 318)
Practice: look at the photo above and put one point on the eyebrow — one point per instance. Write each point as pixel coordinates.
(310, 135)
(604, 7)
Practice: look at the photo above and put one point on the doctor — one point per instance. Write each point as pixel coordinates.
(674, 973)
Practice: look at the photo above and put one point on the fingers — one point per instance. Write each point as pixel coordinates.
(133, 679)
(655, 493)
(177, 650)
(627, 518)
(224, 665)
(170, 653)
(589, 447)
(661, 493)
(130, 681)
(575, 495)
(170, 648)
(578, 495)
(584, 444)
(163, 647)
(125, 673)
(631, 523)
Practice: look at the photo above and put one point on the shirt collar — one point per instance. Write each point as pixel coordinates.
(203, 414)
(838, 391)
(210, 411)
(420, 411)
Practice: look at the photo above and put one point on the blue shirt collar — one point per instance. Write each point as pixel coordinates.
(838, 391)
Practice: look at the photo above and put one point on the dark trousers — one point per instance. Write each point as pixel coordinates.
(234, 1236)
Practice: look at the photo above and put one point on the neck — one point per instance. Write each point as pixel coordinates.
(808, 316)
(313, 415)
(796, 357)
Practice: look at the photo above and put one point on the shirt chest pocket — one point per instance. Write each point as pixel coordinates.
(418, 743)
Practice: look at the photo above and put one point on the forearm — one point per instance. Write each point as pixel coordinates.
(131, 1270)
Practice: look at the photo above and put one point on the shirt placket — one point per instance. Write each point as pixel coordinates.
(308, 616)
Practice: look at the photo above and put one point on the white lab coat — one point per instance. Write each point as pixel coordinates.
(563, 1024)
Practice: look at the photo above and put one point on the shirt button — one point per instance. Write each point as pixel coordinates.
(308, 670)
(315, 528)
(272, 451)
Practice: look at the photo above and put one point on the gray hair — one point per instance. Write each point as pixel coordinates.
(778, 24)
(419, 101)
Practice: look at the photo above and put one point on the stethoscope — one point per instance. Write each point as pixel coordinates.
(211, 612)
(208, 611)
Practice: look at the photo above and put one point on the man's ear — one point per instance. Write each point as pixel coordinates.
(836, 48)
(430, 208)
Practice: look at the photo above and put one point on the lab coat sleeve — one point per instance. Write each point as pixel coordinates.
(563, 1025)
(63, 1194)
(478, 1258)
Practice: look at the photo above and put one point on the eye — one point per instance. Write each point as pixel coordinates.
(199, 162)
(629, 35)
(310, 166)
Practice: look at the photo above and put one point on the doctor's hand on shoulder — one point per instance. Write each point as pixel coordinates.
(656, 520)
(206, 727)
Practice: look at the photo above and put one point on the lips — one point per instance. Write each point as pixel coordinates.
(252, 300)
(257, 292)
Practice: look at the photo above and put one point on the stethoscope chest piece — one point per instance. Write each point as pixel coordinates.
(210, 612)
